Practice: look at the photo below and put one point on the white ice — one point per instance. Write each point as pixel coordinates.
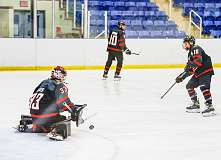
(132, 122)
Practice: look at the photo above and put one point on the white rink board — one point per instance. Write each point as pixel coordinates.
(90, 52)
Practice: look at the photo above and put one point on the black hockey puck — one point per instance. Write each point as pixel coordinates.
(91, 127)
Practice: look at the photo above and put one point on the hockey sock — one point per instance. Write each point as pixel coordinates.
(192, 94)
(118, 69)
(106, 69)
(206, 93)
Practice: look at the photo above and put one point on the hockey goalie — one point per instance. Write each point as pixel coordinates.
(49, 99)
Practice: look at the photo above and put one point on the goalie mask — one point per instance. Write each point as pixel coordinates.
(59, 73)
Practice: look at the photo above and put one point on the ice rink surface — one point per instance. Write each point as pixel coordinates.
(132, 122)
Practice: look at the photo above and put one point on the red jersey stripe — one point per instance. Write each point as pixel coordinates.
(197, 63)
(62, 99)
(114, 49)
(206, 71)
(44, 115)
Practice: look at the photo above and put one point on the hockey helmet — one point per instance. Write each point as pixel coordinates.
(59, 73)
(189, 39)
(121, 23)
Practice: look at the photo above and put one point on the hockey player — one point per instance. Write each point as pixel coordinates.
(49, 99)
(200, 66)
(116, 47)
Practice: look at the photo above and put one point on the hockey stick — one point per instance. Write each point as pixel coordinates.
(168, 90)
(136, 54)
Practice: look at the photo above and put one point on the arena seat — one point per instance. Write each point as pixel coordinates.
(209, 10)
(143, 18)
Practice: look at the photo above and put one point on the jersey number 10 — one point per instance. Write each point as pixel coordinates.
(34, 100)
(113, 39)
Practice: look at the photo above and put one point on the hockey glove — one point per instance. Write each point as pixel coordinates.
(181, 77)
(128, 52)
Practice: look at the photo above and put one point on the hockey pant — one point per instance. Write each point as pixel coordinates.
(111, 57)
(204, 83)
(46, 125)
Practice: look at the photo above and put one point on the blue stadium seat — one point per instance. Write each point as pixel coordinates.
(180, 34)
(131, 34)
(144, 34)
(160, 15)
(142, 17)
(187, 7)
(116, 4)
(157, 34)
(148, 25)
(150, 15)
(199, 5)
(116, 15)
(168, 34)
(210, 6)
(112, 23)
(152, 6)
(178, 3)
(170, 25)
(209, 16)
(217, 15)
(217, 25)
(137, 24)
(141, 4)
(159, 25)
(130, 4)
(216, 34)
(128, 14)
(107, 4)
(208, 26)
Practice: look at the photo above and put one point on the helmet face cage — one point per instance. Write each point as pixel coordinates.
(59, 73)
(190, 40)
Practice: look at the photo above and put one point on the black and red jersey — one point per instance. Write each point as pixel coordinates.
(48, 100)
(116, 41)
(199, 62)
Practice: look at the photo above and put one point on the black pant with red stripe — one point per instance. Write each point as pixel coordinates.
(45, 125)
(111, 57)
(204, 83)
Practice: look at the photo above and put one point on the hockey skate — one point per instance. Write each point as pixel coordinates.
(117, 77)
(194, 107)
(209, 111)
(54, 135)
(77, 115)
(105, 76)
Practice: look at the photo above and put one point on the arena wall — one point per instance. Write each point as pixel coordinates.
(42, 54)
